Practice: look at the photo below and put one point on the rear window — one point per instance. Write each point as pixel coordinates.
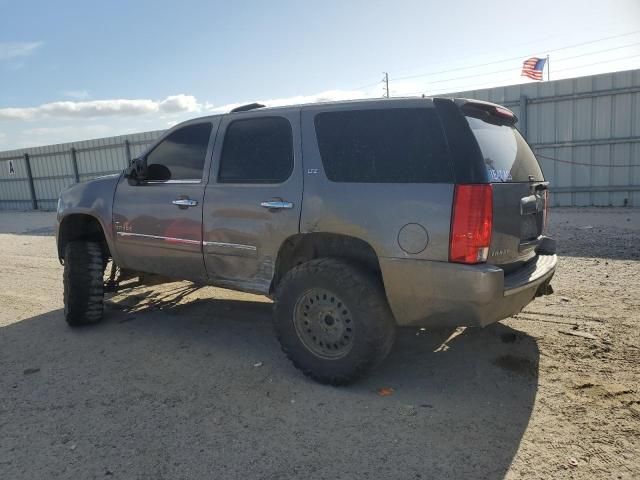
(506, 154)
(401, 145)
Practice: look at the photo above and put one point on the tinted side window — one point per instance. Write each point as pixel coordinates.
(257, 150)
(400, 145)
(180, 156)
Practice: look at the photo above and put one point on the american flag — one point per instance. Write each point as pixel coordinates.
(533, 68)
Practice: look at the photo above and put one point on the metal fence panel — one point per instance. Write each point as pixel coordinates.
(55, 167)
(14, 189)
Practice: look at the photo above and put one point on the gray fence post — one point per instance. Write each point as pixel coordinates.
(523, 116)
(74, 163)
(127, 151)
(32, 189)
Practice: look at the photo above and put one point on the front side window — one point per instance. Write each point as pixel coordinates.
(257, 150)
(181, 155)
(394, 145)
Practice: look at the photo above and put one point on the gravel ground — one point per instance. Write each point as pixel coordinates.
(180, 382)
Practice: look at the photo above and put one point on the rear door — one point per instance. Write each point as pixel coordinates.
(519, 190)
(253, 199)
(158, 223)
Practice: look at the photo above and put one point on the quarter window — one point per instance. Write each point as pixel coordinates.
(395, 145)
(181, 155)
(257, 150)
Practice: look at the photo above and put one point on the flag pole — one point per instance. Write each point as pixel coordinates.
(548, 69)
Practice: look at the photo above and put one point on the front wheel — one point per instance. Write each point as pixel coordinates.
(83, 283)
(333, 321)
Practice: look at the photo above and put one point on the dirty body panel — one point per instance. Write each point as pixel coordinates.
(94, 198)
(399, 220)
(158, 222)
(425, 293)
(253, 199)
(407, 224)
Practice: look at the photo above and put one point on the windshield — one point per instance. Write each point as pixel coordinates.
(506, 154)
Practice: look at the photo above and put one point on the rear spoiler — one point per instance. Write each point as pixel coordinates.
(487, 111)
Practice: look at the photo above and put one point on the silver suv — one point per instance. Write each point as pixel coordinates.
(355, 217)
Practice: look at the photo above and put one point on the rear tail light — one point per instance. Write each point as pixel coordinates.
(471, 223)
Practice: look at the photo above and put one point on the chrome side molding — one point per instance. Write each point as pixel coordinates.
(237, 246)
(159, 237)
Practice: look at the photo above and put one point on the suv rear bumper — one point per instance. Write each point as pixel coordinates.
(426, 293)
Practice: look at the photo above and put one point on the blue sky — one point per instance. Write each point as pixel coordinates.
(72, 70)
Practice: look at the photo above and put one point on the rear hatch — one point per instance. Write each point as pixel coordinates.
(519, 190)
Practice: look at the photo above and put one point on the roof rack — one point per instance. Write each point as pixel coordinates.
(245, 108)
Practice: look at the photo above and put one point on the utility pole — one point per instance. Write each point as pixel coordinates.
(386, 84)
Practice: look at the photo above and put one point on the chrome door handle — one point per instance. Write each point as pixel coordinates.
(276, 205)
(185, 202)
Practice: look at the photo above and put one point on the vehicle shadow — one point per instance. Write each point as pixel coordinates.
(202, 390)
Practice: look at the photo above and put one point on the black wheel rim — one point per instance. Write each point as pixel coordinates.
(323, 323)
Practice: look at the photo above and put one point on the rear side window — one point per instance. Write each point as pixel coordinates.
(399, 145)
(257, 150)
(180, 156)
(506, 154)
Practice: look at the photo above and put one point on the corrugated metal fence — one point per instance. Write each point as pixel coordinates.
(585, 131)
(39, 174)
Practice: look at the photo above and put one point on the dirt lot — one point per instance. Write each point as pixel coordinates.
(180, 382)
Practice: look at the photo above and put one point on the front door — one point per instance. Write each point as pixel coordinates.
(158, 222)
(253, 198)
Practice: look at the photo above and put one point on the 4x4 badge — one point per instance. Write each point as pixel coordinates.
(312, 171)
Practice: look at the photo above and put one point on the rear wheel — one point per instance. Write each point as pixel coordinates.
(333, 321)
(83, 283)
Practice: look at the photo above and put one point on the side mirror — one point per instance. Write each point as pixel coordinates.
(159, 172)
(136, 172)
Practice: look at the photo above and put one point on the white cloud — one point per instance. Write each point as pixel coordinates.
(170, 106)
(11, 50)
(179, 103)
(32, 137)
(76, 94)
(102, 108)
(77, 130)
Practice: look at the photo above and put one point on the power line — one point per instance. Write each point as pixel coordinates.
(511, 69)
(515, 58)
(462, 88)
(385, 79)
(368, 85)
(596, 63)
(584, 164)
(598, 51)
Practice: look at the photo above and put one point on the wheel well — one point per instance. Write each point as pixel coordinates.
(307, 246)
(81, 227)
